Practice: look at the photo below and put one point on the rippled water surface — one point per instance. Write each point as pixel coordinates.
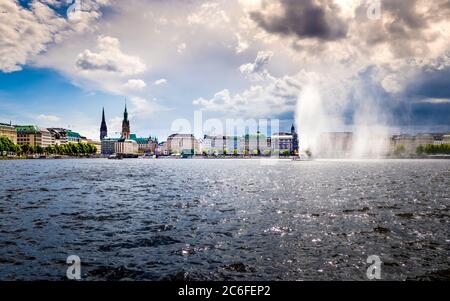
(224, 219)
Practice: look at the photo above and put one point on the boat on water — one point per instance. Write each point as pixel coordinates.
(115, 157)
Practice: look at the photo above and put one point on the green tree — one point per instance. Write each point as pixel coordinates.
(27, 149)
(49, 150)
(6, 145)
(39, 150)
(399, 150)
(420, 149)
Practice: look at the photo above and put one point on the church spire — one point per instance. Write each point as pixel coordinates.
(125, 124)
(103, 127)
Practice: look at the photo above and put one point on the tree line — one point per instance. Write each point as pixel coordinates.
(70, 149)
(432, 149)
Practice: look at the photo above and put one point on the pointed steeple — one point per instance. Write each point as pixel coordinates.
(103, 127)
(125, 113)
(125, 124)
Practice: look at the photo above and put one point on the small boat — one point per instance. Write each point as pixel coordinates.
(115, 157)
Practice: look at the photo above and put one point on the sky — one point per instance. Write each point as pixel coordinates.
(333, 65)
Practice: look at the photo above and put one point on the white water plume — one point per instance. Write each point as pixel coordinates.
(320, 119)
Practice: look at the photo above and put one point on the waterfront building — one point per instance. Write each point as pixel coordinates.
(220, 145)
(73, 137)
(59, 136)
(145, 145)
(108, 146)
(410, 143)
(213, 145)
(233, 144)
(126, 147)
(162, 149)
(103, 127)
(295, 142)
(8, 131)
(446, 138)
(33, 135)
(424, 139)
(127, 144)
(257, 144)
(182, 143)
(283, 142)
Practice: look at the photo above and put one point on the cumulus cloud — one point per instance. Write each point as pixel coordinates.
(277, 97)
(209, 14)
(160, 82)
(27, 32)
(181, 48)
(135, 84)
(48, 118)
(109, 58)
(257, 70)
(144, 108)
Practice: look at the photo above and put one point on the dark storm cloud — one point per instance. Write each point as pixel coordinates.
(305, 19)
(430, 84)
(403, 25)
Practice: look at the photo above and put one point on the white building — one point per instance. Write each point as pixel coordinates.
(126, 147)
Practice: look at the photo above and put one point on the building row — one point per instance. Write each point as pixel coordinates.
(128, 144)
(186, 144)
(256, 144)
(347, 144)
(38, 136)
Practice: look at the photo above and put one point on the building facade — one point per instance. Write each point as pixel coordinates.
(33, 136)
(8, 131)
(182, 143)
(108, 146)
(127, 144)
(282, 143)
(126, 147)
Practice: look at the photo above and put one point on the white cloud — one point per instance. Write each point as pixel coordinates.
(161, 81)
(143, 108)
(48, 118)
(242, 44)
(257, 71)
(25, 33)
(277, 97)
(181, 48)
(209, 14)
(434, 100)
(109, 58)
(135, 84)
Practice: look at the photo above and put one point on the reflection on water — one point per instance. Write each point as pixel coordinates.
(224, 219)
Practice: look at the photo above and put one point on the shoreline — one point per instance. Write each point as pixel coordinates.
(290, 158)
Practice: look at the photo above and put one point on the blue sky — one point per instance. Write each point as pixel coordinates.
(235, 59)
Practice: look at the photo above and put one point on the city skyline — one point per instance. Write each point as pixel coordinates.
(259, 66)
(215, 148)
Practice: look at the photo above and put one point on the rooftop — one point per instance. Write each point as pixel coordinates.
(27, 129)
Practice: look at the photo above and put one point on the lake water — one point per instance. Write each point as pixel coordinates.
(224, 219)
